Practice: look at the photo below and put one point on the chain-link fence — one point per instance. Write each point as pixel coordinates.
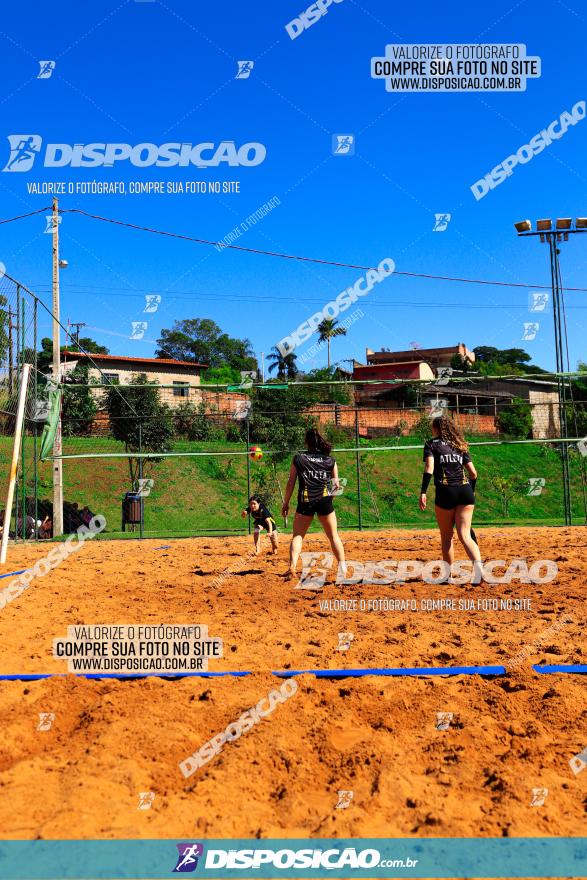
(192, 469)
(164, 458)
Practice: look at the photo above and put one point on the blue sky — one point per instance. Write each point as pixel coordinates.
(155, 72)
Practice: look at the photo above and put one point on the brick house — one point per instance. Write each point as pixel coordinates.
(179, 380)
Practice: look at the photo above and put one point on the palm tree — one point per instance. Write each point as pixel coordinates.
(328, 328)
(284, 364)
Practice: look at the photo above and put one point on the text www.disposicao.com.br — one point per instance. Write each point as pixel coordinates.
(134, 664)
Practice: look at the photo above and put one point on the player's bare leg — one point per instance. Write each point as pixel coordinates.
(330, 526)
(463, 518)
(301, 524)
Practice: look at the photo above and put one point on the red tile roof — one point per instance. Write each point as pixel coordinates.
(108, 358)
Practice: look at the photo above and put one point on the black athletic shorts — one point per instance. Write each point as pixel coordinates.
(323, 506)
(449, 497)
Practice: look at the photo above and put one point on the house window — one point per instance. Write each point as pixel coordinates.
(112, 378)
(181, 389)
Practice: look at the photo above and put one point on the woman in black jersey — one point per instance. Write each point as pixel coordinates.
(317, 474)
(447, 457)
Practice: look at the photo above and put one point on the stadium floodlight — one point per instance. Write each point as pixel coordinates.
(63, 264)
(544, 225)
(564, 223)
(523, 226)
(581, 223)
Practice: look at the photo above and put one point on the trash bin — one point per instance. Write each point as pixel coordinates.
(132, 510)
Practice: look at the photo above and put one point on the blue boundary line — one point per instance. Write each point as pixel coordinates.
(10, 573)
(286, 673)
(318, 673)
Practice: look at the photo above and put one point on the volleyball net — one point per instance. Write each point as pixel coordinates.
(185, 449)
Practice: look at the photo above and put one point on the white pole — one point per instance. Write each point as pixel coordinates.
(14, 465)
(57, 463)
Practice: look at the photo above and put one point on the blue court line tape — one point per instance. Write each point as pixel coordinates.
(286, 673)
(10, 573)
(400, 671)
(319, 673)
(164, 547)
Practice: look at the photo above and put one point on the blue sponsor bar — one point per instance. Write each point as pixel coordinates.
(534, 857)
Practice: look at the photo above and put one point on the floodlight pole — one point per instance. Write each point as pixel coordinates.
(554, 236)
(57, 449)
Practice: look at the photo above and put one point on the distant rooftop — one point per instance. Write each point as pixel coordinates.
(109, 358)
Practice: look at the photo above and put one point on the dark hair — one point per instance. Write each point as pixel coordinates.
(256, 498)
(315, 442)
(450, 433)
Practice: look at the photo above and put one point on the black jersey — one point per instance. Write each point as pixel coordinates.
(449, 463)
(314, 474)
(260, 515)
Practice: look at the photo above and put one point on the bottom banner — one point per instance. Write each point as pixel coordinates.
(378, 857)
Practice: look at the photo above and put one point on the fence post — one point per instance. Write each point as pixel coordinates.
(141, 524)
(248, 470)
(23, 441)
(358, 469)
(35, 473)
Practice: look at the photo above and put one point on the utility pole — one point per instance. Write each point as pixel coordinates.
(57, 462)
(561, 230)
(11, 327)
(75, 336)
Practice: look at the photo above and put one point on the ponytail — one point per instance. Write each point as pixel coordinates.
(315, 442)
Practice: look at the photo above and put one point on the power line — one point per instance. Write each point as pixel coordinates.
(22, 216)
(304, 259)
(290, 256)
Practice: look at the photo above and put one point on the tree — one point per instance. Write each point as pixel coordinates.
(327, 393)
(201, 340)
(516, 420)
(223, 375)
(327, 329)
(507, 488)
(461, 364)
(78, 405)
(284, 364)
(490, 361)
(139, 420)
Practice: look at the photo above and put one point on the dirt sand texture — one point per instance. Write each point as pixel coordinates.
(434, 755)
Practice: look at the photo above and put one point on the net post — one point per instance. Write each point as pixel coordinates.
(358, 461)
(248, 470)
(14, 464)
